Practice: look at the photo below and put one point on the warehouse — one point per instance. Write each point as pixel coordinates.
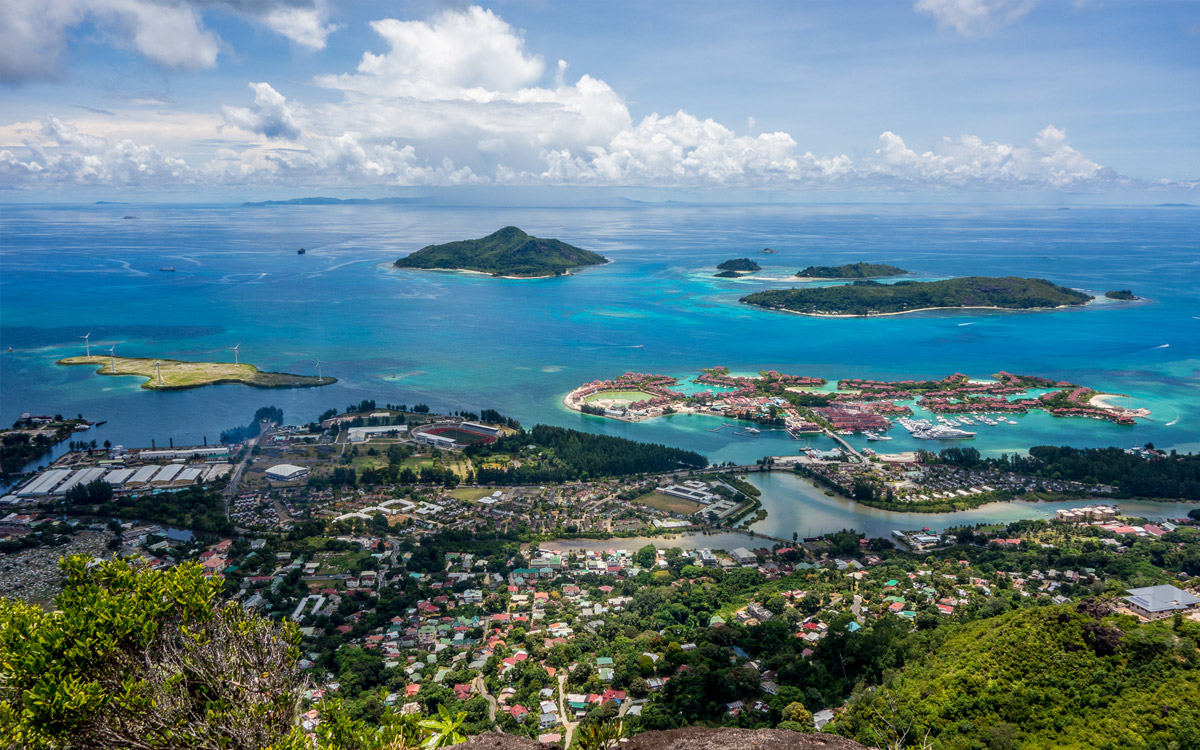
(286, 473)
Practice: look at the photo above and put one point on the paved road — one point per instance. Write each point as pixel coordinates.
(236, 477)
(481, 687)
(562, 709)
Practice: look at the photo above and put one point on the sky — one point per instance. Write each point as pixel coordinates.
(932, 99)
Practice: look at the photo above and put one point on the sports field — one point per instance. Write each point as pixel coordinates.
(626, 396)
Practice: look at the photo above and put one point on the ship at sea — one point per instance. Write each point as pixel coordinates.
(168, 269)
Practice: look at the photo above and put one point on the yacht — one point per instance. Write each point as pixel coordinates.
(876, 437)
(752, 430)
(943, 433)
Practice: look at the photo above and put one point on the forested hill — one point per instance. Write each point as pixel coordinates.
(851, 271)
(561, 455)
(507, 252)
(873, 298)
(1048, 677)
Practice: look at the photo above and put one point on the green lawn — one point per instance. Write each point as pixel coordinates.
(470, 494)
(627, 396)
(669, 503)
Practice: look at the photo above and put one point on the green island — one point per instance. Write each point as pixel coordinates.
(32, 437)
(735, 267)
(509, 252)
(851, 271)
(1121, 294)
(865, 298)
(179, 375)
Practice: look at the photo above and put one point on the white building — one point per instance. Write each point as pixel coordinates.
(286, 473)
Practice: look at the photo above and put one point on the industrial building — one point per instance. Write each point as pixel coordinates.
(286, 473)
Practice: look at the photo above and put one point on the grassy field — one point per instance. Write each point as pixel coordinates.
(626, 396)
(669, 503)
(178, 375)
(470, 494)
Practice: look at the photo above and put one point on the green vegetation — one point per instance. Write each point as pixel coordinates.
(139, 658)
(507, 252)
(26, 443)
(561, 455)
(873, 298)
(1169, 476)
(851, 271)
(1121, 294)
(669, 503)
(264, 413)
(178, 375)
(1051, 677)
(728, 275)
(739, 264)
(194, 508)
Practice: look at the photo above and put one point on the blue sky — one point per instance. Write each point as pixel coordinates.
(212, 98)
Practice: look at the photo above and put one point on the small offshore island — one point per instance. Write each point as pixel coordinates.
(508, 253)
(736, 268)
(178, 375)
(851, 271)
(869, 298)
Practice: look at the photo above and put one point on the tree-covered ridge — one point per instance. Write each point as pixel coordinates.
(1171, 475)
(873, 298)
(851, 271)
(1121, 294)
(559, 454)
(507, 252)
(1050, 677)
(739, 264)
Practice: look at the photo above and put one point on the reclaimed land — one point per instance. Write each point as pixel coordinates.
(178, 375)
(509, 253)
(868, 298)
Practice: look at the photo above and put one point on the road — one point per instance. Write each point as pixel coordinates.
(236, 477)
(481, 687)
(562, 709)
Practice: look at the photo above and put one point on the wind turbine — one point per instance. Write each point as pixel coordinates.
(87, 343)
(235, 353)
(112, 359)
(318, 368)
(158, 369)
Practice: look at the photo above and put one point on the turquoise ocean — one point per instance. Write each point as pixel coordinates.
(460, 341)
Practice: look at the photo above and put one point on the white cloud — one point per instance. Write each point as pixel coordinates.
(34, 33)
(1050, 162)
(459, 100)
(471, 55)
(271, 115)
(975, 17)
(63, 155)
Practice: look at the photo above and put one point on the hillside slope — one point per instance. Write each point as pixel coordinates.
(1050, 677)
(873, 298)
(507, 252)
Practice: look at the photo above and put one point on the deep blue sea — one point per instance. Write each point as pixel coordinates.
(458, 341)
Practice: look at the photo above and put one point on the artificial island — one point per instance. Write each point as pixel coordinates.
(865, 297)
(803, 404)
(508, 253)
(180, 375)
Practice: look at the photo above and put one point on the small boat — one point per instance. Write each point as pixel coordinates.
(168, 269)
(301, 251)
(752, 430)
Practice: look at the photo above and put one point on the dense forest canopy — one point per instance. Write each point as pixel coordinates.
(1050, 677)
(873, 298)
(507, 252)
(566, 455)
(1172, 476)
(851, 271)
(739, 264)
